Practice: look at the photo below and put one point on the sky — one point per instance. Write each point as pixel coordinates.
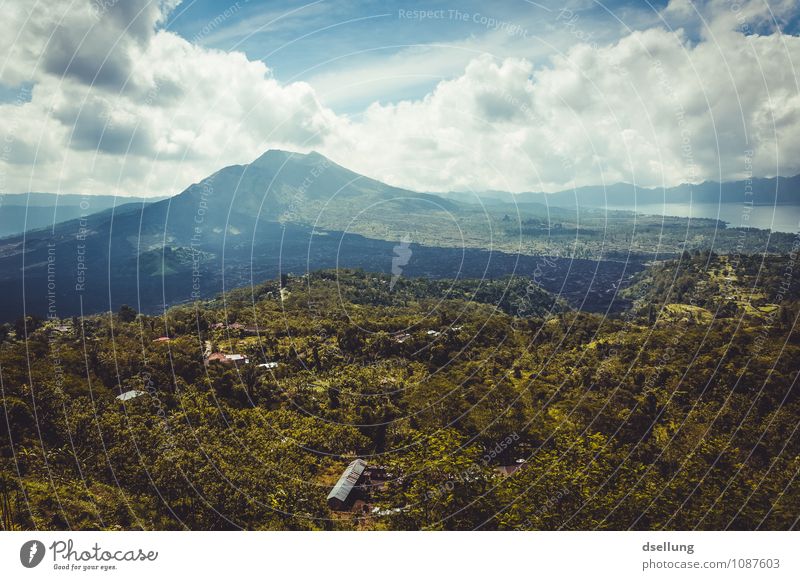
(139, 97)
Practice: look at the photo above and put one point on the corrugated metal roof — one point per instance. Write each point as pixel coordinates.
(348, 480)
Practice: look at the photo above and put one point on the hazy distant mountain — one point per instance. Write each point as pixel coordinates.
(765, 191)
(29, 211)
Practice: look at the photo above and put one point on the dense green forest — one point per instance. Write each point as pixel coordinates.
(490, 404)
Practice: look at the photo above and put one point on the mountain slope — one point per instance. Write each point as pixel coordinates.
(284, 186)
(241, 223)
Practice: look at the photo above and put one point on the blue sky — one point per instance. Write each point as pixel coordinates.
(327, 42)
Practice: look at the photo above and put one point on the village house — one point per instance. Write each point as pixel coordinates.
(346, 491)
(506, 470)
(227, 358)
(353, 490)
(401, 337)
(128, 395)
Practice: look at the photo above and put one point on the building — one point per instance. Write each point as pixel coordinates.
(268, 365)
(506, 470)
(227, 358)
(401, 337)
(356, 485)
(128, 395)
(216, 357)
(346, 490)
(162, 339)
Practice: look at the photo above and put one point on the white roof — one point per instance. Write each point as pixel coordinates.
(128, 395)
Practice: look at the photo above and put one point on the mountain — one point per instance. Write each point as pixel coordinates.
(296, 213)
(765, 191)
(242, 223)
(283, 186)
(35, 210)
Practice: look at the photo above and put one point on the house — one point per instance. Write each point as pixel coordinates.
(216, 357)
(227, 358)
(346, 491)
(506, 470)
(355, 486)
(128, 395)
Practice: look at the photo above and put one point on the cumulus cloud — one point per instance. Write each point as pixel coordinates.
(113, 94)
(659, 106)
(121, 106)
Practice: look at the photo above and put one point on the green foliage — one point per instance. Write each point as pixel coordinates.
(644, 421)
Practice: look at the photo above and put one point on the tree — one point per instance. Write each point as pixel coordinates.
(126, 313)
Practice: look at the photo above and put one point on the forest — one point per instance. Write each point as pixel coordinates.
(483, 404)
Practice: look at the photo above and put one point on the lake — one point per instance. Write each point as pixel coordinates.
(778, 218)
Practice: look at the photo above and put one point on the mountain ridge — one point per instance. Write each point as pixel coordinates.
(765, 191)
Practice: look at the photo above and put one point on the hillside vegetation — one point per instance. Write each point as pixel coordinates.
(640, 421)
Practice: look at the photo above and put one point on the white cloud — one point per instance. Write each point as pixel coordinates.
(654, 107)
(141, 110)
(111, 99)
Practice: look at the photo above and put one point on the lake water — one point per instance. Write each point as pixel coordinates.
(778, 218)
